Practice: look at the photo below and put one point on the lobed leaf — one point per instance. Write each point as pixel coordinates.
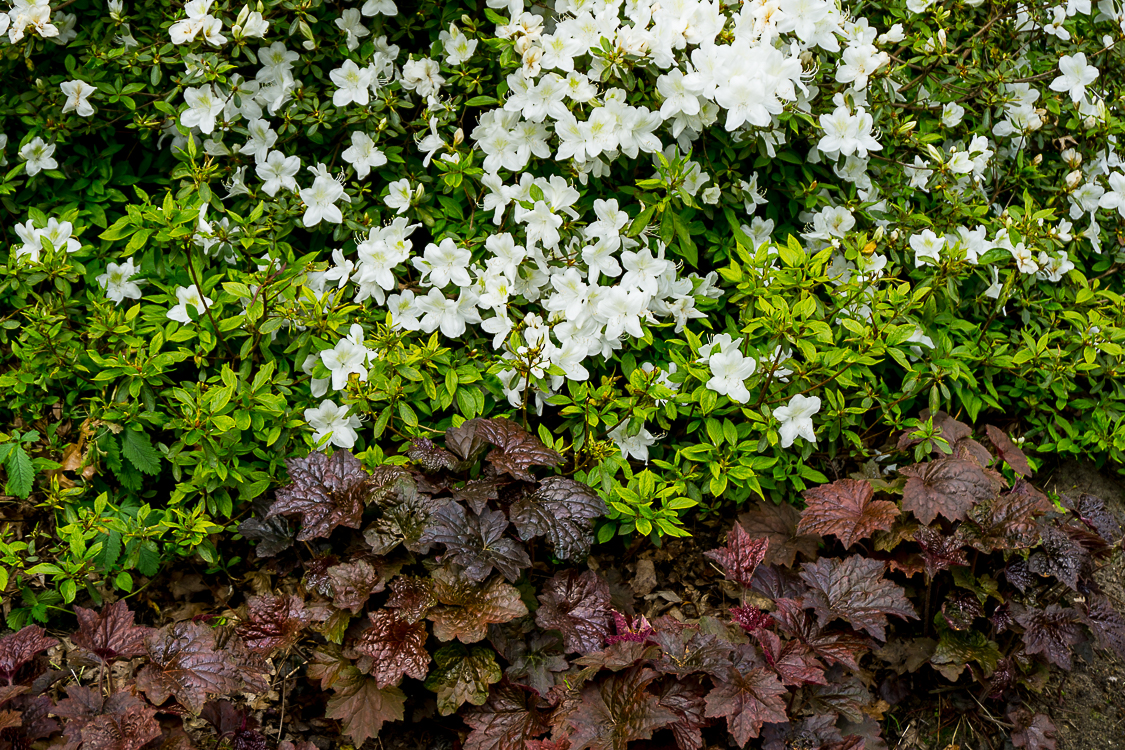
(462, 674)
(325, 493)
(564, 511)
(741, 556)
(468, 607)
(846, 509)
(476, 542)
(517, 450)
(396, 646)
(947, 486)
(855, 590)
(577, 605)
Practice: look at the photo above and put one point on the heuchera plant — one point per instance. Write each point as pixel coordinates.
(957, 570)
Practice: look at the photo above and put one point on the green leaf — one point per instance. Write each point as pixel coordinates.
(138, 449)
(21, 474)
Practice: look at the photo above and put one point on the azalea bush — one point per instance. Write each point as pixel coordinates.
(707, 252)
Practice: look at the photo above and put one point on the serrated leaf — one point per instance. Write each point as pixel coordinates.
(846, 509)
(476, 542)
(835, 647)
(741, 556)
(462, 674)
(1034, 732)
(940, 551)
(516, 450)
(273, 535)
(468, 607)
(956, 649)
(186, 663)
(616, 711)
(465, 441)
(685, 699)
(137, 447)
(1008, 521)
(21, 473)
(564, 511)
(855, 590)
(948, 486)
(325, 493)
(111, 634)
(577, 605)
(778, 524)
(397, 648)
(1093, 512)
(412, 598)
(17, 649)
(363, 707)
(352, 583)
(793, 662)
(1057, 555)
(96, 722)
(508, 719)
(1052, 632)
(273, 622)
(430, 457)
(1105, 622)
(686, 651)
(748, 699)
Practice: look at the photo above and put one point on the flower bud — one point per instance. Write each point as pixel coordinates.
(458, 137)
(1073, 179)
(1037, 160)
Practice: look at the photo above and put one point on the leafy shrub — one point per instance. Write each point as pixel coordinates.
(854, 603)
(241, 232)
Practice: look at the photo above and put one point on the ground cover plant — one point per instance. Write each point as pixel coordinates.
(692, 257)
(456, 576)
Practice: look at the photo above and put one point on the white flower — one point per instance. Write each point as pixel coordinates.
(278, 171)
(348, 357)
(188, 295)
(720, 342)
(320, 201)
(422, 76)
(353, 82)
(363, 155)
(58, 233)
(729, 370)
(399, 195)
(78, 97)
(351, 24)
(951, 114)
(262, 137)
(381, 7)
(796, 419)
(117, 282)
(1076, 76)
(632, 446)
(451, 315)
(458, 47)
(331, 419)
(39, 156)
(444, 264)
(927, 245)
(203, 108)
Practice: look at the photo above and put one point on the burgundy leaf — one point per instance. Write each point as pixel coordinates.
(235, 724)
(618, 710)
(1008, 521)
(636, 630)
(397, 647)
(1052, 632)
(846, 509)
(688, 651)
(403, 522)
(836, 647)
(1058, 555)
(111, 634)
(509, 718)
(947, 486)
(741, 555)
(120, 722)
(564, 511)
(847, 696)
(412, 597)
(778, 524)
(1019, 576)
(814, 731)
(685, 699)
(854, 590)
(534, 661)
(186, 664)
(430, 457)
(273, 622)
(468, 608)
(750, 618)
(1008, 451)
(1034, 732)
(940, 551)
(477, 492)
(465, 441)
(961, 608)
(1094, 514)
(273, 535)
(325, 493)
(794, 662)
(577, 605)
(747, 700)
(363, 707)
(17, 649)
(1105, 623)
(352, 583)
(776, 583)
(516, 449)
(477, 542)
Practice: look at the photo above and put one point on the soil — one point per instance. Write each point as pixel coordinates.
(1086, 704)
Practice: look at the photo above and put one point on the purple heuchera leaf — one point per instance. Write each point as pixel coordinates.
(120, 722)
(476, 542)
(854, 590)
(509, 718)
(749, 698)
(325, 492)
(1105, 623)
(750, 618)
(186, 663)
(468, 608)
(577, 605)
(635, 630)
(516, 450)
(741, 556)
(16, 649)
(1034, 732)
(948, 486)
(111, 634)
(564, 511)
(430, 457)
(1052, 632)
(847, 510)
(396, 646)
(1057, 555)
(618, 710)
(273, 622)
